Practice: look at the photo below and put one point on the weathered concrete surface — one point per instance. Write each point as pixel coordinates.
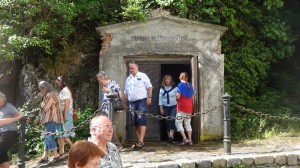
(282, 151)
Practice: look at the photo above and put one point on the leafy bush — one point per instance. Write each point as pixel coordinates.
(83, 118)
(245, 125)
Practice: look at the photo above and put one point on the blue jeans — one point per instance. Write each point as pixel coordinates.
(170, 111)
(140, 106)
(49, 140)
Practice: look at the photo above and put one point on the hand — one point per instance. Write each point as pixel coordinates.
(148, 101)
(161, 110)
(65, 118)
(20, 116)
(105, 89)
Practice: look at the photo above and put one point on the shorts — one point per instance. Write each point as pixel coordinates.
(141, 107)
(7, 139)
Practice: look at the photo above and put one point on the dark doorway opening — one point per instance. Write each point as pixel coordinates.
(173, 70)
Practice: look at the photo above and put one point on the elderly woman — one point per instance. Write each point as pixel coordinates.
(8, 129)
(50, 117)
(108, 85)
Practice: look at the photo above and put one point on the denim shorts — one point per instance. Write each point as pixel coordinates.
(49, 140)
(138, 106)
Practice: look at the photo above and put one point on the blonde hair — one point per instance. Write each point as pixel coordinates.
(163, 83)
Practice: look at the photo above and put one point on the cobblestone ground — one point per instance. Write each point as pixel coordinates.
(163, 152)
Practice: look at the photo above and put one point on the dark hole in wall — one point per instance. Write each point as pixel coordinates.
(173, 70)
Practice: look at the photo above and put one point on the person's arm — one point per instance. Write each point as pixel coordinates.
(160, 102)
(149, 97)
(67, 106)
(4, 121)
(47, 103)
(177, 96)
(125, 99)
(105, 89)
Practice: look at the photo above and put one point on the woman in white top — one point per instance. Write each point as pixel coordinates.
(167, 102)
(67, 109)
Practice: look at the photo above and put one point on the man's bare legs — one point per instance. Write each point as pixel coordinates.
(141, 131)
(140, 134)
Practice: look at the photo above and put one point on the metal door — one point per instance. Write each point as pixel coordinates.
(153, 125)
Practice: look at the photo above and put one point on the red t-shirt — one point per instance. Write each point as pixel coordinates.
(185, 102)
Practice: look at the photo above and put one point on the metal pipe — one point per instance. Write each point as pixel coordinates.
(21, 153)
(111, 97)
(227, 141)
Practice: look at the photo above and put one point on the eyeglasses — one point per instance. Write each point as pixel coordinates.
(105, 126)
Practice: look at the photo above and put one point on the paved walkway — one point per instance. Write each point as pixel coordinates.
(163, 154)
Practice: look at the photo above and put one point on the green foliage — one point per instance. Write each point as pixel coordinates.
(34, 24)
(247, 126)
(44, 32)
(83, 132)
(256, 39)
(135, 10)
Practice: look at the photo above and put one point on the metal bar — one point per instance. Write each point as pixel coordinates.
(227, 140)
(21, 160)
(111, 97)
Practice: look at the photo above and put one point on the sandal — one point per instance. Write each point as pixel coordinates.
(137, 146)
(54, 160)
(43, 161)
(63, 156)
(190, 143)
(185, 142)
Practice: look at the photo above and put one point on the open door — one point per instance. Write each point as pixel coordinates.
(152, 70)
(195, 120)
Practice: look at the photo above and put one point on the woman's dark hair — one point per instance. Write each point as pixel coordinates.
(65, 83)
(63, 80)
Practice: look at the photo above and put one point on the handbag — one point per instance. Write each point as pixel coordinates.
(74, 115)
(118, 103)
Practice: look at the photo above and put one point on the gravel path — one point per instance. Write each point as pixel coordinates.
(163, 152)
